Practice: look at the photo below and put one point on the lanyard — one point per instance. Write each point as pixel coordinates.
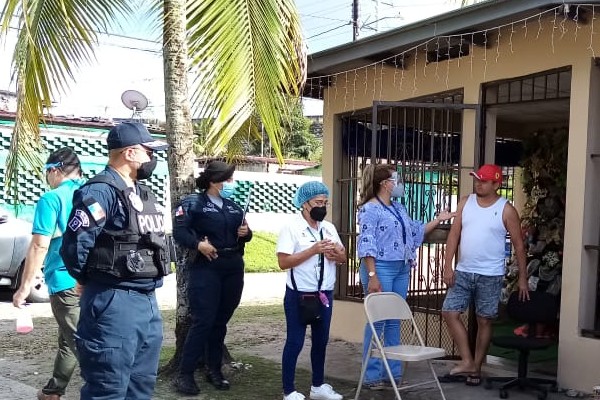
(397, 215)
(321, 265)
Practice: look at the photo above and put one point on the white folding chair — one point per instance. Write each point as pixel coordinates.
(388, 305)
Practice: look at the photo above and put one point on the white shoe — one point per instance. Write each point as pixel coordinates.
(294, 396)
(324, 392)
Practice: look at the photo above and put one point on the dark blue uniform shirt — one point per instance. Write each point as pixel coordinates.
(197, 217)
(79, 239)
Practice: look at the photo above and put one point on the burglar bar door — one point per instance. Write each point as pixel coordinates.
(423, 142)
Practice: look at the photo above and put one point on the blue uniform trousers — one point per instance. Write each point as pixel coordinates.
(214, 292)
(119, 337)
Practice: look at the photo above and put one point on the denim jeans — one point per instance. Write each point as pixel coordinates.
(294, 341)
(394, 277)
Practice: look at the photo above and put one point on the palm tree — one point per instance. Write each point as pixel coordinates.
(248, 56)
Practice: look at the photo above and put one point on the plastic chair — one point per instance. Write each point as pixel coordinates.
(541, 308)
(388, 305)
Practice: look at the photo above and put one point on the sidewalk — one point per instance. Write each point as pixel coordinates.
(14, 390)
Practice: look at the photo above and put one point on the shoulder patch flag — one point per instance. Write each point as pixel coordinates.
(96, 211)
(179, 211)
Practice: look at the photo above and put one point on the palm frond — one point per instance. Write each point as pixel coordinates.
(248, 55)
(55, 38)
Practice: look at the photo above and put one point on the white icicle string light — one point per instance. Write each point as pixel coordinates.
(448, 65)
(563, 23)
(485, 46)
(381, 80)
(402, 72)
(346, 91)
(576, 20)
(554, 28)
(510, 38)
(437, 59)
(415, 77)
(374, 80)
(472, 46)
(354, 89)
(498, 45)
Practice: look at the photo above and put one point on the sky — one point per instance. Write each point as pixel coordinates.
(131, 58)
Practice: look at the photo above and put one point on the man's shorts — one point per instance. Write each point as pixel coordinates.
(483, 290)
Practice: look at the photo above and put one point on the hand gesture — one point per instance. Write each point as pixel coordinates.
(445, 215)
(323, 246)
(20, 296)
(334, 253)
(207, 249)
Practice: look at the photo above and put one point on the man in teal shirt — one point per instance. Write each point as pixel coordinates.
(63, 175)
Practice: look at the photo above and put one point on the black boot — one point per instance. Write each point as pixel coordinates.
(186, 384)
(215, 377)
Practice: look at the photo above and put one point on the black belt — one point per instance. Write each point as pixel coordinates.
(228, 250)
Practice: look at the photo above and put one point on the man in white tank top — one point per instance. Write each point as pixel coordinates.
(480, 227)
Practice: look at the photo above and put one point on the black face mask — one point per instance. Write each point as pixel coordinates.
(145, 169)
(318, 213)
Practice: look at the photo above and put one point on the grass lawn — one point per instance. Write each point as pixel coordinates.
(259, 255)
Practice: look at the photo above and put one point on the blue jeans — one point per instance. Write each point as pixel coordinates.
(119, 337)
(294, 341)
(394, 277)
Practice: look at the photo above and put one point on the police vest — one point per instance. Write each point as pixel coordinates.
(140, 249)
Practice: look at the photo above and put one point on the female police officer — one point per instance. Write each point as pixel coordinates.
(214, 226)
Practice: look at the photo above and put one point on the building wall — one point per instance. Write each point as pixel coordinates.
(519, 50)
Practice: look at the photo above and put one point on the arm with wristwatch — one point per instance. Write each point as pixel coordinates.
(374, 284)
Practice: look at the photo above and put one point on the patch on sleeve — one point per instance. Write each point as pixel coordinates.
(179, 211)
(79, 220)
(96, 211)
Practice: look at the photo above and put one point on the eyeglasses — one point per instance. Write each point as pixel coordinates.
(148, 152)
(319, 203)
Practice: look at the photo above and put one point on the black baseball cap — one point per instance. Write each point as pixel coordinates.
(128, 134)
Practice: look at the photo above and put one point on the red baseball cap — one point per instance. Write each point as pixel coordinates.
(488, 172)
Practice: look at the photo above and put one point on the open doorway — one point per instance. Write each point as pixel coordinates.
(526, 122)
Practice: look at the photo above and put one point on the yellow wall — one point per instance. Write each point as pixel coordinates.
(528, 51)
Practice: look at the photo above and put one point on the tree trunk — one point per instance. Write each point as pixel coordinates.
(180, 137)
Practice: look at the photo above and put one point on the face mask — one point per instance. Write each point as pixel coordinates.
(227, 190)
(145, 169)
(318, 213)
(398, 190)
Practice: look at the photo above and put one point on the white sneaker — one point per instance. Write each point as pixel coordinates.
(294, 396)
(324, 392)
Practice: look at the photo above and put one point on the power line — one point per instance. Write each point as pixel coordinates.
(327, 18)
(327, 31)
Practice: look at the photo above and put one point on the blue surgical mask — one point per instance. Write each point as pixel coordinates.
(227, 190)
(398, 190)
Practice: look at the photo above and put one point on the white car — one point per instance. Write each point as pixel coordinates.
(15, 235)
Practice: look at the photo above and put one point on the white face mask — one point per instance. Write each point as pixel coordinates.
(398, 190)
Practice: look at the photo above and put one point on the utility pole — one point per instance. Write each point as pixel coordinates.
(354, 20)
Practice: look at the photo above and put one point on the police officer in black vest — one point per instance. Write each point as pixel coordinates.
(115, 246)
(213, 227)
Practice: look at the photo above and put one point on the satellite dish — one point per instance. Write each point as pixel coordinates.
(135, 101)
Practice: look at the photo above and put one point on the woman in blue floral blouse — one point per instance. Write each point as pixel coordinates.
(387, 245)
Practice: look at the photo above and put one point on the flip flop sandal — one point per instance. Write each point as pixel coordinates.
(452, 378)
(473, 380)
